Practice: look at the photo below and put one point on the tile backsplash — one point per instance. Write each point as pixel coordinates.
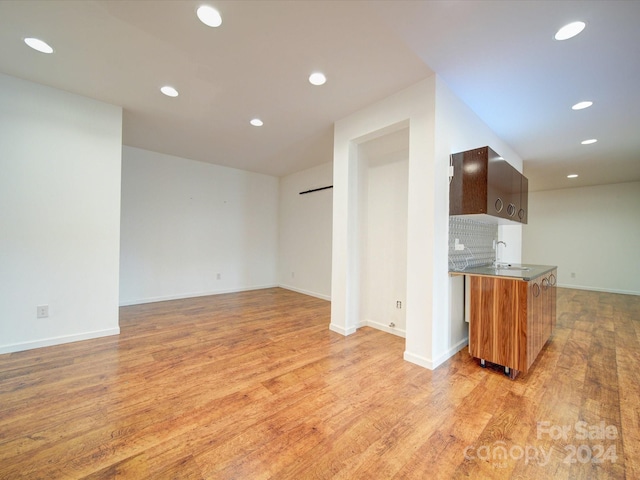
(477, 239)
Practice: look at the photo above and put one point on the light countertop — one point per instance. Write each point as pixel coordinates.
(516, 271)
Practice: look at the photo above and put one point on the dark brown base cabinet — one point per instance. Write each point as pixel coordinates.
(511, 320)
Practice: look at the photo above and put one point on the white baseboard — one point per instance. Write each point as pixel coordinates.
(342, 331)
(433, 364)
(306, 292)
(182, 296)
(597, 289)
(386, 328)
(451, 351)
(48, 342)
(418, 360)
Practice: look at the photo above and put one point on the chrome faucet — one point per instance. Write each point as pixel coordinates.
(497, 250)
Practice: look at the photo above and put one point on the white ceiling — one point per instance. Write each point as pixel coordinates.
(497, 56)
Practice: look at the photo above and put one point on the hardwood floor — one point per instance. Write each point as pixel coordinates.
(253, 385)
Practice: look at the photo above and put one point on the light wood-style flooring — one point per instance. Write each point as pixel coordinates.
(253, 385)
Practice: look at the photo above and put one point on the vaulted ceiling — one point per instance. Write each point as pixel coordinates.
(499, 57)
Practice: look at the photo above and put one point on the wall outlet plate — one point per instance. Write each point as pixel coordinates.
(42, 311)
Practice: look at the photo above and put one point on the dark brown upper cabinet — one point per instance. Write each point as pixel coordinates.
(484, 183)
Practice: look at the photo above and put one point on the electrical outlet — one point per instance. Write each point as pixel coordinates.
(218, 276)
(42, 311)
(573, 274)
(293, 274)
(398, 304)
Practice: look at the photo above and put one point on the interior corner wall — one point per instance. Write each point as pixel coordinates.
(590, 233)
(305, 226)
(60, 157)
(384, 236)
(191, 228)
(458, 128)
(413, 108)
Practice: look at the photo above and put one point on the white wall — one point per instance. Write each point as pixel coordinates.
(593, 232)
(184, 222)
(305, 232)
(384, 265)
(383, 235)
(60, 160)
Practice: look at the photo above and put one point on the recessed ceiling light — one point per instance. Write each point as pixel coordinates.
(589, 142)
(317, 78)
(570, 30)
(209, 16)
(169, 91)
(38, 45)
(573, 175)
(581, 105)
(256, 122)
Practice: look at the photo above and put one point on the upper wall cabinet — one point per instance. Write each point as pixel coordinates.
(487, 187)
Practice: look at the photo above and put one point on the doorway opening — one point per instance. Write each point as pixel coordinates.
(383, 164)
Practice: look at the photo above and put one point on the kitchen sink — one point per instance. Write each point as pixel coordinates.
(507, 266)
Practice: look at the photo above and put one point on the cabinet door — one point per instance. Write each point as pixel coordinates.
(513, 207)
(498, 185)
(497, 325)
(541, 317)
(552, 296)
(534, 321)
(468, 187)
(547, 306)
(523, 214)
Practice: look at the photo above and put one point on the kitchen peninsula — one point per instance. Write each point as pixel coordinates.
(512, 313)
